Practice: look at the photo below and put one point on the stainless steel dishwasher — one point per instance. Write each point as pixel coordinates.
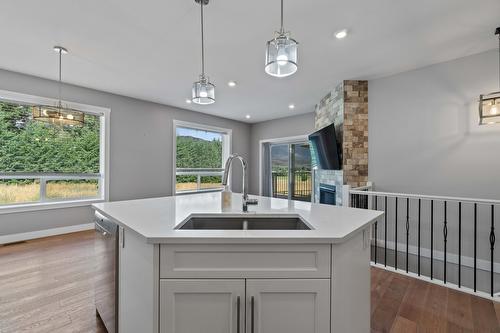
(106, 274)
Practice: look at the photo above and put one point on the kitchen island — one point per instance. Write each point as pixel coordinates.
(189, 265)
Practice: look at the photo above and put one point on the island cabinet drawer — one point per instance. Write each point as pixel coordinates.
(245, 261)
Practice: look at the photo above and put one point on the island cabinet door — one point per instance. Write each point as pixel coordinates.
(202, 306)
(288, 306)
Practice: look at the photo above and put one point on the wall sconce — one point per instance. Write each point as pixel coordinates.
(489, 105)
(489, 108)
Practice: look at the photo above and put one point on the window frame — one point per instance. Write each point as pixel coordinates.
(281, 140)
(104, 142)
(226, 150)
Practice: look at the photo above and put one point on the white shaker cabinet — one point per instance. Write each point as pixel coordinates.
(265, 305)
(288, 306)
(202, 306)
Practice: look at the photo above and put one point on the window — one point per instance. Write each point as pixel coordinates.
(42, 163)
(199, 156)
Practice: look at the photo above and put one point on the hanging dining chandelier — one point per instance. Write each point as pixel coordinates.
(281, 53)
(58, 114)
(203, 91)
(489, 105)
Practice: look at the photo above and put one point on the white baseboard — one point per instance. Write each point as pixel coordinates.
(451, 258)
(482, 294)
(44, 233)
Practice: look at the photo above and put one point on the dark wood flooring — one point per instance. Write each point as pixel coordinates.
(46, 286)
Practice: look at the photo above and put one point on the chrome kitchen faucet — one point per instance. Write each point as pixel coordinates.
(246, 200)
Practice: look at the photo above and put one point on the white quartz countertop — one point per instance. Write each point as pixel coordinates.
(156, 219)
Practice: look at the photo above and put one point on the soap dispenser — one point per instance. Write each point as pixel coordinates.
(226, 198)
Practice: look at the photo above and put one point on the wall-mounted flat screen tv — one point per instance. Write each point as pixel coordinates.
(325, 152)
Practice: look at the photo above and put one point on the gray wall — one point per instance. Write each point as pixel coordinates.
(423, 132)
(424, 138)
(277, 128)
(140, 151)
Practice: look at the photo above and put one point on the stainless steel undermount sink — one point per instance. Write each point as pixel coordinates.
(244, 223)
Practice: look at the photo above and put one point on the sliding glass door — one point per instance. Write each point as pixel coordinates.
(290, 176)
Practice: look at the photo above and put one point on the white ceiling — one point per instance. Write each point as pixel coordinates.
(150, 49)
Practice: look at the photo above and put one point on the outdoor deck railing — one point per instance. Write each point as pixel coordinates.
(43, 178)
(197, 175)
(448, 239)
(302, 185)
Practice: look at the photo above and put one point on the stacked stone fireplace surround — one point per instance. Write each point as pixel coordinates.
(347, 107)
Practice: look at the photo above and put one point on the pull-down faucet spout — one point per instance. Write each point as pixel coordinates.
(227, 168)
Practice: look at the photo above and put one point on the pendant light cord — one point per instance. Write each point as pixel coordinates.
(60, 76)
(282, 30)
(202, 43)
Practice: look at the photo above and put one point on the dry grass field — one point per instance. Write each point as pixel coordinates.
(192, 186)
(17, 193)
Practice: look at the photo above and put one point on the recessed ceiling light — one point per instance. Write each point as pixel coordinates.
(188, 101)
(291, 106)
(341, 34)
(232, 83)
(247, 116)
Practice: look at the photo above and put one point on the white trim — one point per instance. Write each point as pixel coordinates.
(210, 128)
(32, 99)
(227, 146)
(438, 282)
(44, 233)
(208, 190)
(36, 206)
(104, 157)
(287, 139)
(425, 197)
(104, 151)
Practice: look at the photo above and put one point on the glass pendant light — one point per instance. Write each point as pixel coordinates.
(489, 105)
(203, 91)
(58, 114)
(281, 53)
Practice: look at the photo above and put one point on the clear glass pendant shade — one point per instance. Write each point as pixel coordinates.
(203, 92)
(281, 56)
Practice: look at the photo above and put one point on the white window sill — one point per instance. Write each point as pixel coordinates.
(36, 206)
(200, 191)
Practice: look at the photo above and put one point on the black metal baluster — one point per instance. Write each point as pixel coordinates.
(492, 246)
(419, 207)
(432, 239)
(459, 244)
(445, 238)
(475, 247)
(385, 232)
(407, 229)
(396, 237)
(376, 222)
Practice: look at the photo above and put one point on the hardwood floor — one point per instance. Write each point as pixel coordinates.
(404, 304)
(46, 286)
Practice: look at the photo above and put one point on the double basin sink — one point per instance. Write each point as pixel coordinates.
(244, 223)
